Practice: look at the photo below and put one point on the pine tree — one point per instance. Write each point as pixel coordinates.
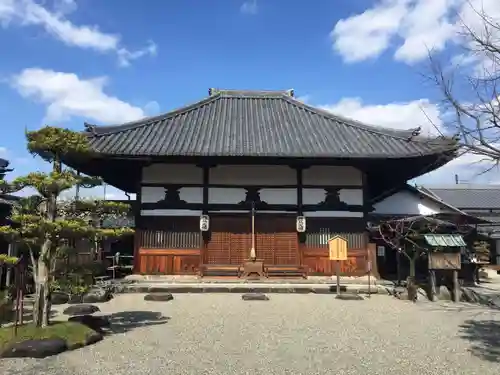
(45, 223)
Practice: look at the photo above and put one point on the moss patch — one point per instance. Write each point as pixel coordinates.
(75, 334)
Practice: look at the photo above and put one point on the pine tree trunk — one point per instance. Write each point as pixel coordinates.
(42, 297)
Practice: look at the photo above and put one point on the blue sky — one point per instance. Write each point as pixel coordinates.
(64, 62)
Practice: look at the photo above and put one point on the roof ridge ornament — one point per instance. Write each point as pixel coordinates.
(213, 91)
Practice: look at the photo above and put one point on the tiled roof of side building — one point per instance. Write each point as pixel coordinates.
(259, 123)
(468, 196)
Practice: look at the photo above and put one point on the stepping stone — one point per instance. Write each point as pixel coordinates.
(349, 297)
(59, 298)
(159, 297)
(254, 297)
(35, 348)
(82, 309)
(96, 323)
(97, 295)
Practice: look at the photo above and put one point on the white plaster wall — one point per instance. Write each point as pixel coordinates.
(236, 195)
(333, 214)
(150, 194)
(172, 174)
(279, 196)
(170, 213)
(332, 175)
(406, 203)
(226, 195)
(253, 175)
(349, 196)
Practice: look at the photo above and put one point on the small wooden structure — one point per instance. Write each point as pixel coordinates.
(445, 255)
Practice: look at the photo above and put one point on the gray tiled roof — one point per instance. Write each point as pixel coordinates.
(258, 123)
(468, 196)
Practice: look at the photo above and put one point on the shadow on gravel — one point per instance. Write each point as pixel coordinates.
(484, 336)
(125, 321)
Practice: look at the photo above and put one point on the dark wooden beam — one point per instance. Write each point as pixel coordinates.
(260, 186)
(245, 207)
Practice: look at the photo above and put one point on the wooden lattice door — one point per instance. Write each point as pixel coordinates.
(230, 239)
(276, 240)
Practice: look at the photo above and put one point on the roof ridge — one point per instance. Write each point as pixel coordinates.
(250, 93)
(406, 135)
(97, 130)
(464, 186)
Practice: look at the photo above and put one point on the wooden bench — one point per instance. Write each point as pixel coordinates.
(219, 270)
(286, 271)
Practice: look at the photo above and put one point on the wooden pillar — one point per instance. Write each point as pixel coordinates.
(300, 212)
(137, 227)
(372, 255)
(206, 181)
(300, 196)
(456, 287)
(205, 235)
(432, 286)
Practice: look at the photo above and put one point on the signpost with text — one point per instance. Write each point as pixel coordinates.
(337, 248)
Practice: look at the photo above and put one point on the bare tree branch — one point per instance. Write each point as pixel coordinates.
(471, 92)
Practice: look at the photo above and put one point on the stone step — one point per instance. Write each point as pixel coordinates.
(148, 279)
(246, 288)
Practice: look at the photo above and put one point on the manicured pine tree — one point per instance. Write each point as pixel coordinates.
(46, 223)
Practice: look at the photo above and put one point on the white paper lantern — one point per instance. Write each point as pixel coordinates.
(301, 224)
(204, 223)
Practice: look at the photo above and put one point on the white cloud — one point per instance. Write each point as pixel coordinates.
(55, 23)
(67, 95)
(3, 151)
(413, 26)
(368, 34)
(152, 108)
(402, 115)
(249, 7)
(304, 98)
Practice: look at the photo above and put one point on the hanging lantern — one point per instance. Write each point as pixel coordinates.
(301, 224)
(204, 223)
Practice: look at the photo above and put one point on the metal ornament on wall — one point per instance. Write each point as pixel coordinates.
(301, 224)
(332, 199)
(253, 197)
(204, 223)
(172, 196)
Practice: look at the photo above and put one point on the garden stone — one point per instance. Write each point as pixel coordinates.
(35, 348)
(254, 297)
(93, 338)
(443, 293)
(349, 297)
(81, 310)
(159, 297)
(96, 323)
(97, 295)
(59, 298)
(75, 299)
(468, 295)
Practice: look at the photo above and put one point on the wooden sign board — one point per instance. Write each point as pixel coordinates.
(337, 248)
(444, 261)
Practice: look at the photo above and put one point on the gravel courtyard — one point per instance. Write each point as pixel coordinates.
(290, 334)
